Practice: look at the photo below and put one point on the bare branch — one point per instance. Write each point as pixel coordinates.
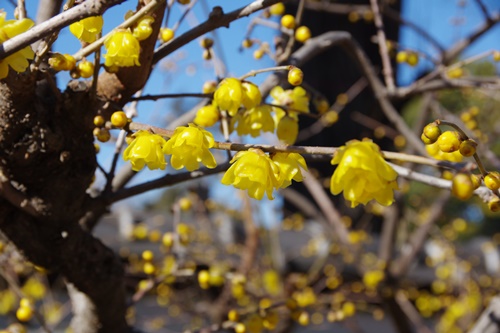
(382, 45)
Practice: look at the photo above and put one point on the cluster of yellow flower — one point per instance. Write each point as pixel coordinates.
(255, 171)
(242, 101)
(188, 147)
(18, 61)
(453, 146)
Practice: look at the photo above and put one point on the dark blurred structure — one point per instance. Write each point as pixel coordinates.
(333, 72)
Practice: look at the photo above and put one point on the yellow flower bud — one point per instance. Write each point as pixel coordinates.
(233, 315)
(203, 279)
(207, 43)
(119, 119)
(449, 141)
(496, 56)
(166, 34)
(455, 73)
(302, 34)
(462, 186)
(168, 239)
(401, 57)
(247, 43)
(207, 116)
(492, 180)
(432, 131)
(62, 62)
(412, 59)
(209, 87)
(258, 54)
(468, 147)
(277, 9)
(102, 134)
(99, 121)
(86, 69)
(494, 204)
(476, 180)
(147, 255)
(143, 28)
(295, 76)
(288, 21)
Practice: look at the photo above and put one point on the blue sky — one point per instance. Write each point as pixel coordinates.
(448, 22)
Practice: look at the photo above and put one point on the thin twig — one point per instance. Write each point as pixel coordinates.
(382, 45)
(21, 10)
(160, 96)
(215, 20)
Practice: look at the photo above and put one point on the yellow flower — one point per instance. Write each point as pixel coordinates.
(253, 171)
(207, 116)
(18, 61)
(363, 174)
(434, 151)
(87, 29)
(144, 29)
(228, 95)
(189, 146)
(253, 121)
(123, 49)
(251, 95)
(296, 99)
(289, 165)
(146, 149)
(287, 128)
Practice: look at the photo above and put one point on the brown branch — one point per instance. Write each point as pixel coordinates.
(166, 180)
(461, 45)
(19, 199)
(47, 9)
(382, 45)
(326, 205)
(400, 266)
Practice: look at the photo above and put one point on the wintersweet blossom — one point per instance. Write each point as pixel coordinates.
(253, 121)
(254, 171)
(251, 96)
(189, 147)
(434, 151)
(87, 29)
(207, 115)
(363, 174)
(287, 129)
(146, 149)
(289, 165)
(228, 95)
(122, 49)
(18, 61)
(295, 99)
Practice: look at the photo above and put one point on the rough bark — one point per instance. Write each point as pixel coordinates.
(47, 162)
